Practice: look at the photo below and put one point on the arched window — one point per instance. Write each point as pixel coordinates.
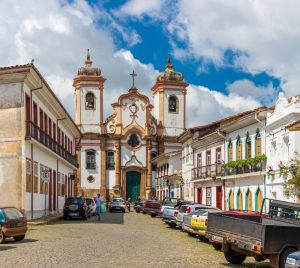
(231, 200)
(89, 101)
(257, 143)
(248, 147)
(249, 200)
(239, 200)
(173, 104)
(230, 152)
(90, 159)
(258, 200)
(239, 155)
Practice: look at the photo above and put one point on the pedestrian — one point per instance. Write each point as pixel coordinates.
(98, 205)
(128, 204)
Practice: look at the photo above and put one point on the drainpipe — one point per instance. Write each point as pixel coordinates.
(223, 181)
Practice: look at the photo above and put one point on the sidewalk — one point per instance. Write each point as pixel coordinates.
(45, 220)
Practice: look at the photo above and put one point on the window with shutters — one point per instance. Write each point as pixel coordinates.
(35, 178)
(258, 144)
(90, 159)
(239, 149)
(110, 160)
(248, 147)
(59, 176)
(28, 175)
(230, 151)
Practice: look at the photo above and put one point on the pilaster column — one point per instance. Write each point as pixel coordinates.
(117, 165)
(149, 165)
(103, 169)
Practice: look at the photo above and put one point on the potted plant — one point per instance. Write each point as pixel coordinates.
(270, 171)
(282, 168)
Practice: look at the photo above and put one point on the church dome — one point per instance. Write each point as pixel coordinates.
(169, 74)
(87, 69)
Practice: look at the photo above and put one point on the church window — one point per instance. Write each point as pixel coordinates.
(110, 160)
(133, 140)
(90, 101)
(173, 104)
(90, 159)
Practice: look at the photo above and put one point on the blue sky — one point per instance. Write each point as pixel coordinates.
(236, 55)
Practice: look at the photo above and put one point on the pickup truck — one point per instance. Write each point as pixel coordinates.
(273, 236)
(155, 207)
(169, 214)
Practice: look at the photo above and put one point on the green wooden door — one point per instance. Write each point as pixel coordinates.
(133, 181)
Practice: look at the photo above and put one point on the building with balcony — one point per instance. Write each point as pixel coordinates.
(243, 172)
(168, 181)
(37, 144)
(283, 142)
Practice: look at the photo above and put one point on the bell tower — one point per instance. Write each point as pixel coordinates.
(89, 86)
(169, 95)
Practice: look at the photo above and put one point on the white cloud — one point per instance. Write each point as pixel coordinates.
(264, 33)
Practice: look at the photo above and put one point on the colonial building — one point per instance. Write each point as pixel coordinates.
(168, 175)
(282, 144)
(37, 143)
(116, 154)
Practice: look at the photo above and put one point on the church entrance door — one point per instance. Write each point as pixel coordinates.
(133, 181)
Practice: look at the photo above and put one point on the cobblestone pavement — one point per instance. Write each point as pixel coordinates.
(136, 240)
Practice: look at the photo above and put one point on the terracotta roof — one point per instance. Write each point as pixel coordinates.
(294, 126)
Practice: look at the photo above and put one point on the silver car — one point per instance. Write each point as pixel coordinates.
(186, 210)
(117, 204)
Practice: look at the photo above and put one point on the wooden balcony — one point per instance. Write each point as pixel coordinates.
(33, 131)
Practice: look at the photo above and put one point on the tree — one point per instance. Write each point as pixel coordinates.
(292, 186)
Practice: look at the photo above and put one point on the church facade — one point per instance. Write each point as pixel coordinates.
(115, 155)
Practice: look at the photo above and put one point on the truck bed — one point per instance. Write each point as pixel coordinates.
(272, 234)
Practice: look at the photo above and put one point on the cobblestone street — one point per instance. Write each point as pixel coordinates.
(135, 241)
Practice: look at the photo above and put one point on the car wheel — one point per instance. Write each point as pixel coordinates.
(202, 238)
(234, 257)
(191, 234)
(2, 237)
(138, 211)
(217, 246)
(153, 215)
(19, 237)
(172, 225)
(284, 255)
(144, 212)
(124, 211)
(65, 218)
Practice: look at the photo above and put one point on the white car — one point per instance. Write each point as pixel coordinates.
(117, 204)
(92, 205)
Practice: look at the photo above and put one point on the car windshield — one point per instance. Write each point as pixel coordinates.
(12, 213)
(117, 200)
(170, 200)
(74, 200)
(89, 201)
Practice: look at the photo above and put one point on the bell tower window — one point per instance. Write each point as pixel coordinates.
(90, 101)
(173, 104)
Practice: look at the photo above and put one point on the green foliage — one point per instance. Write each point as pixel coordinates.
(292, 186)
(245, 162)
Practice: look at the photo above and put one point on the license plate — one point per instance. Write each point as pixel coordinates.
(74, 214)
(217, 238)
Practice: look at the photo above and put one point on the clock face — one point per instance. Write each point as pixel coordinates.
(133, 108)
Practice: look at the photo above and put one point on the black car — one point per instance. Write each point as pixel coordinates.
(76, 207)
(293, 260)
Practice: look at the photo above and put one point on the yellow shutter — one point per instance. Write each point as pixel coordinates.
(231, 200)
(258, 146)
(249, 149)
(249, 197)
(230, 152)
(239, 153)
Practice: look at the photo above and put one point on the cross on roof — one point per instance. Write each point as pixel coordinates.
(133, 74)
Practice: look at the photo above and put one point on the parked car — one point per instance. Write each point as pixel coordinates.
(170, 214)
(12, 224)
(170, 202)
(117, 204)
(186, 209)
(92, 205)
(138, 205)
(186, 223)
(152, 207)
(273, 237)
(76, 207)
(293, 260)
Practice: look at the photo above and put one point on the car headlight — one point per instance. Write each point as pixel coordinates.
(291, 261)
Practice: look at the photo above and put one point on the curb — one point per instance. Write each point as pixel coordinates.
(44, 222)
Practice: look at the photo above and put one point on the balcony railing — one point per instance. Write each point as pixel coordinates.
(216, 170)
(210, 171)
(33, 131)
